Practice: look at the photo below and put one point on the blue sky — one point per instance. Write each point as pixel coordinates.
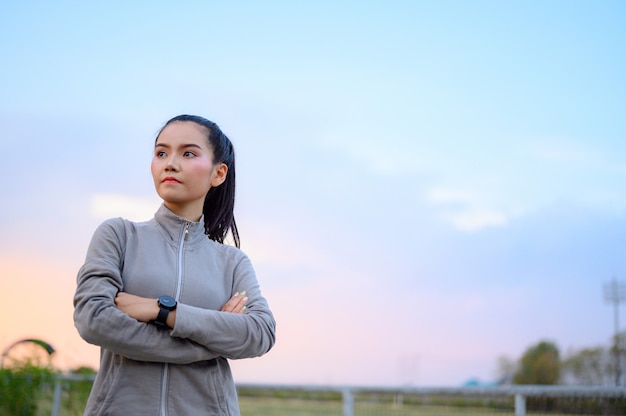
(422, 186)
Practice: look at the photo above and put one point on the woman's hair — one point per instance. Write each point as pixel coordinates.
(219, 202)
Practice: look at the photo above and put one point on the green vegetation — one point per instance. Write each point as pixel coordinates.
(23, 388)
(540, 364)
(255, 406)
(75, 393)
(29, 391)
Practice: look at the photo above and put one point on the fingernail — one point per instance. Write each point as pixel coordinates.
(244, 308)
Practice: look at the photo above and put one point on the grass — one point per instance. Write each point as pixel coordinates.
(264, 402)
(255, 406)
(285, 406)
(258, 406)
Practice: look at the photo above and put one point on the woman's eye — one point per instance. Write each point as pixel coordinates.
(189, 154)
(160, 154)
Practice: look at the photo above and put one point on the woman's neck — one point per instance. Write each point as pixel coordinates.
(186, 211)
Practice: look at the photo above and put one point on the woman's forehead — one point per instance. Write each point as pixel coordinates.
(184, 131)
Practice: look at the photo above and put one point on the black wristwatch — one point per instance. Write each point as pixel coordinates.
(166, 304)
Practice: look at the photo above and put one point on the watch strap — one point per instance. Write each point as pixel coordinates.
(162, 316)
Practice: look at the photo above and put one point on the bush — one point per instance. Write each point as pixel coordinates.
(76, 393)
(22, 388)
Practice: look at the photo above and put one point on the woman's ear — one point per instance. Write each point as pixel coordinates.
(219, 175)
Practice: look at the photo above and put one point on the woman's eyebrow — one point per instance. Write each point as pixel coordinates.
(184, 146)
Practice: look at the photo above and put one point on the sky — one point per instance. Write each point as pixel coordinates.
(423, 187)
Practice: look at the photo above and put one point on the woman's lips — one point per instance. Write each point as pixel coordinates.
(170, 179)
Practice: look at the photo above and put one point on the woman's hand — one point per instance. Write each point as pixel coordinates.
(236, 304)
(142, 309)
(147, 309)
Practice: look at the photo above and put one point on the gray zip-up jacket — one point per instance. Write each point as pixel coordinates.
(152, 371)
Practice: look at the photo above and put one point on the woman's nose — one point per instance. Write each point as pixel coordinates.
(172, 163)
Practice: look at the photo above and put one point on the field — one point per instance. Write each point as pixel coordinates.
(296, 407)
(300, 401)
(285, 406)
(254, 406)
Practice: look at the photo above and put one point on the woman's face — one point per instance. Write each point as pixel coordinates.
(183, 168)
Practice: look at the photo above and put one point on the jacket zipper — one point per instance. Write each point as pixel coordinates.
(179, 282)
(184, 237)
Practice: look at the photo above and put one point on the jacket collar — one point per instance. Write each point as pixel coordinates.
(174, 226)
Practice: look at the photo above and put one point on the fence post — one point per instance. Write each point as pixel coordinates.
(348, 402)
(520, 405)
(56, 403)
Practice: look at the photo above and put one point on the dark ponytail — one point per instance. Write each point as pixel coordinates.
(219, 203)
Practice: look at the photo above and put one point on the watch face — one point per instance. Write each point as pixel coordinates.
(167, 302)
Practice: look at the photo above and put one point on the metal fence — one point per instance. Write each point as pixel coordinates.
(360, 401)
(466, 400)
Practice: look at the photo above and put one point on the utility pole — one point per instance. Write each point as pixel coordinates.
(615, 292)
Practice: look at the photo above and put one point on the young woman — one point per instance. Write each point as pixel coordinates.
(166, 300)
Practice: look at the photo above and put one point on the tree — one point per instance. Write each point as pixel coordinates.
(589, 367)
(540, 364)
(596, 366)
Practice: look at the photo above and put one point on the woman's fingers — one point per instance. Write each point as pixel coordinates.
(236, 304)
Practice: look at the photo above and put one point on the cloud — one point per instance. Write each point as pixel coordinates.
(566, 151)
(464, 209)
(476, 219)
(380, 156)
(116, 205)
(451, 196)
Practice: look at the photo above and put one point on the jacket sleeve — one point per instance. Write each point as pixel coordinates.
(231, 335)
(99, 321)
